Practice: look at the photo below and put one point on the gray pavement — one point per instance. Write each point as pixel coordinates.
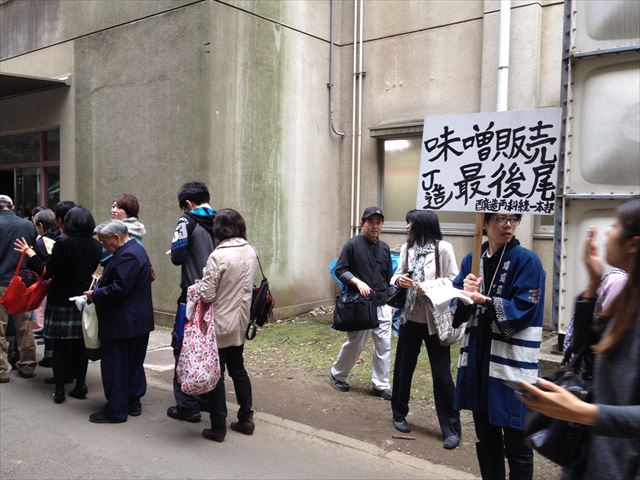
(42, 440)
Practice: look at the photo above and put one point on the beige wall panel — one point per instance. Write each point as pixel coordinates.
(544, 249)
(142, 124)
(494, 5)
(272, 155)
(311, 17)
(549, 87)
(423, 74)
(30, 25)
(411, 77)
(384, 18)
(53, 62)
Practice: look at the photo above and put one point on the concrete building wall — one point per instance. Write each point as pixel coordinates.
(234, 93)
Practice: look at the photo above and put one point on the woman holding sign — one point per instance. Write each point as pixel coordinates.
(501, 342)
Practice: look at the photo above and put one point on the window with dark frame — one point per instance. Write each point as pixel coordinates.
(30, 169)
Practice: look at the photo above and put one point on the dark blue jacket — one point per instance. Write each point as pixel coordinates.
(123, 296)
(12, 227)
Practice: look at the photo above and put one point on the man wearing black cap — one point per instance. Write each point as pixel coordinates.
(364, 266)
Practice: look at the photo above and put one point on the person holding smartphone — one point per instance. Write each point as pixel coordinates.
(614, 414)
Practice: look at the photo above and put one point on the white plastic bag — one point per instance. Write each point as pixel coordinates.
(89, 319)
(89, 322)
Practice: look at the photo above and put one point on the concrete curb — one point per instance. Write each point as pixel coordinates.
(433, 470)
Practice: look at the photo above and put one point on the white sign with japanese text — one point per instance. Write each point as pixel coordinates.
(490, 162)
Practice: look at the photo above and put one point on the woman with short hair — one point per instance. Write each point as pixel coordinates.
(125, 207)
(416, 268)
(73, 260)
(227, 282)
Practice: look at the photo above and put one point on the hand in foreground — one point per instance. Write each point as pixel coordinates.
(471, 286)
(21, 245)
(471, 283)
(556, 402)
(363, 288)
(89, 295)
(592, 262)
(404, 281)
(477, 297)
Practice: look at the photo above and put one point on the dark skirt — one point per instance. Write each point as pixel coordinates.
(63, 322)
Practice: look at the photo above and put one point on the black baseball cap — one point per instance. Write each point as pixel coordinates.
(371, 211)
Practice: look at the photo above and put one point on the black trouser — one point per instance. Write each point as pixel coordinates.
(69, 361)
(231, 358)
(123, 377)
(496, 443)
(410, 340)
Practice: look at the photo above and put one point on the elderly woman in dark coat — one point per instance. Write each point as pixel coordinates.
(125, 317)
(73, 260)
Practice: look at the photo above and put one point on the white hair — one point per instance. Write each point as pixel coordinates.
(111, 228)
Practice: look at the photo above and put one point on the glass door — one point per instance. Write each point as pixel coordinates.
(27, 190)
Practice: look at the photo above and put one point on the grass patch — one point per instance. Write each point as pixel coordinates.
(309, 343)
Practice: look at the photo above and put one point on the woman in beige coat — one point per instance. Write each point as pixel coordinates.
(227, 282)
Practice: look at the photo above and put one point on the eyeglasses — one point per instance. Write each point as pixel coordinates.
(503, 219)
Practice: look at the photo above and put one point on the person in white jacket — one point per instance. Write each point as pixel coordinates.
(416, 268)
(227, 282)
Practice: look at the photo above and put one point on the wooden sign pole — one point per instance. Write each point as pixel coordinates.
(477, 244)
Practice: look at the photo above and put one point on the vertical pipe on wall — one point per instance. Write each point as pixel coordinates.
(503, 56)
(330, 84)
(501, 106)
(360, 75)
(353, 216)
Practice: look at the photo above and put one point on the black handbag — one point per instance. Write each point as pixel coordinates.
(262, 304)
(564, 443)
(398, 297)
(354, 312)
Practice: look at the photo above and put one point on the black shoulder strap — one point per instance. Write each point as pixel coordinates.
(259, 264)
(438, 259)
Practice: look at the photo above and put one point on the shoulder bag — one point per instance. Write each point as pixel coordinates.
(562, 442)
(26, 290)
(442, 317)
(262, 305)
(354, 312)
(198, 368)
(398, 297)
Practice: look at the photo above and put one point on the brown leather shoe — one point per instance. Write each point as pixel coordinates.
(216, 436)
(245, 426)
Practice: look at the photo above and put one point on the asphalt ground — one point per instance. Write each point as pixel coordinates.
(42, 440)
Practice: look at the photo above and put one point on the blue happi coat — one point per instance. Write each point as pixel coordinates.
(512, 345)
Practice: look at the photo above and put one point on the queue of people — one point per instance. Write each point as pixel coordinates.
(209, 246)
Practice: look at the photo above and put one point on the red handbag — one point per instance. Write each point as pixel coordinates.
(25, 291)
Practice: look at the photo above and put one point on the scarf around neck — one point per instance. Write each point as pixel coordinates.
(417, 263)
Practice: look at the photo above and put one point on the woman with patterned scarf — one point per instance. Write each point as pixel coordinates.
(416, 268)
